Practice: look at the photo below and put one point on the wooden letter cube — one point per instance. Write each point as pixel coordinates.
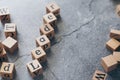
(1, 47)
(4, 15)
(47, 30)
(53, 8)
(118, 10)
(50, 19)
(7, 70)
(3, 56)
(39, 54)
(113, 44)
(116, 56)
(10, 30)
(10, 44)
(99, 75)
(108, 63)
(43, 42)
(35, 68)
(115, 34)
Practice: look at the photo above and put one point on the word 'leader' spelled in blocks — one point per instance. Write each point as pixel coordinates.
(50, 19)
(47, 29)
(43, 42)
(53, 8)
(35, 68)
(118, 10)
(39, 54)
(10, 44)
(113, 44)
(10, 30)
(115, 34)
(7, 70)
(4, 15)
(99, 75)
(108, 63)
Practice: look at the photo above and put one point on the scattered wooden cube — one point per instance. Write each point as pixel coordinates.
(118, 10)
(10, 44)
(10, 30)
(39, 54)
(115, 34)
(53, 8)
(112, 44)
(3, 56)
(35, 68)
(50, 19)
(1, 47)
(108, 63)
(116, 56)
(43, 42)
(4, 15)
(47, 29)
(99, 75)
(7, 70)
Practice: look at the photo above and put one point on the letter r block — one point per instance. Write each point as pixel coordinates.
(7, 70)
(35, 68)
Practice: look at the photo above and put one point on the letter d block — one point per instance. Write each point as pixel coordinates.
(7, 70)
(43, 42)
(99, 75)
(35, 68)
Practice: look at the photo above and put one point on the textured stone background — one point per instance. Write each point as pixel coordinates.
(80, 38)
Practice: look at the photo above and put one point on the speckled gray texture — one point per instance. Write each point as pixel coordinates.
(80, 38)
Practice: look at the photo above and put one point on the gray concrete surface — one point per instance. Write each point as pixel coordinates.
(80, 38)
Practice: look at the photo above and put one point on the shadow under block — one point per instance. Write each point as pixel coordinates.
(34, 68)
(39, 54)
(4, 15)
(115, 34)
(47, 29)
(112, 44)
(118, 10)
(7, 70)
(3, 56)
(108, 63)
(116, 56)
(10, 30)
(50, 19)
(10, 44)
(53, 8)
(43, 42)
(99, 75)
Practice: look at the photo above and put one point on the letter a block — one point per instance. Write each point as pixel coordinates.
(10, 30)
(7, 70)
(35, 68)
(53, 8)
(50, 19)
(43, 42)
(4, 15)
(47, 30)
(99, 75)
(39, 54)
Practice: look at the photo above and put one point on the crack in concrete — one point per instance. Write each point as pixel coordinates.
(90, 9)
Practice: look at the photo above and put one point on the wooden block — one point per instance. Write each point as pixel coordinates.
(10, 44)
(10, 30)
(115, 34)
(50, 19)
(99, 75)
(7, 70)
(35, 68)
(43, 42)
(47, 29)
(39, 54)
(1, 47)
(53, 8)
(116, 56)
(108, 63)
(112, 44)
(3, 56)
(4, 15)
(118, 10)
